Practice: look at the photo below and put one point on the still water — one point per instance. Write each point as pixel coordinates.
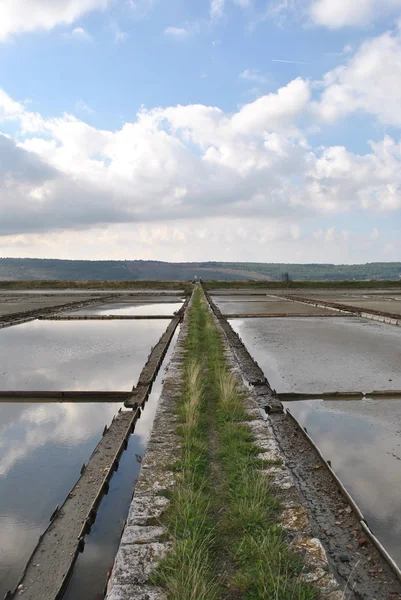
(42, 448)
(90, 572)
(324, 355)
(363, 440)
(81, 355)
(123, 308)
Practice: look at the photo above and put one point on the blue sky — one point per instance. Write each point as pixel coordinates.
(211, 130)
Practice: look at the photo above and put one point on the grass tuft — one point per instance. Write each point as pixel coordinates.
(222, 516)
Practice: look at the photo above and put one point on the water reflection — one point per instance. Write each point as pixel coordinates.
(89, 576)
(363, 440)
(69, 355)
(42, 448)
(252, 307)
(119, 308)
(324, 355)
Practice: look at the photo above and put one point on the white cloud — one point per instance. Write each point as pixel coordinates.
(17, 16)
(186, 164)
(180, 33)
(253, 75)
(8, 107)
(119, 35)
(347, 49)
(330, 14)
(79, 33)
(273, 110)
(370, 81)
(216, 9)
(83, 107)
(246, 239)
(345, 13)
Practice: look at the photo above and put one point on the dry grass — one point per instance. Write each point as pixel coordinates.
(189, 409)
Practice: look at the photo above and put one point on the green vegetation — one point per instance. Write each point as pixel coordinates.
(336, 285)
(222, 515)
(31, 269)
(95, 285)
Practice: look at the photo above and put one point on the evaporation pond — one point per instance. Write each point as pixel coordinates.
(42, 449)
(316, 355)
(76, 355)
(362, 439)
(125, 308)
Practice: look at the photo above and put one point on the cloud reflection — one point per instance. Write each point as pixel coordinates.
(363, 441)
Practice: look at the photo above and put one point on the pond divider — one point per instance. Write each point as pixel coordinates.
(49, 568)
(103, 317)
(59, 396)
(377, 394)
(357, 311)
(274, 315)
(251, 372)
(141, 391)
(30, 315)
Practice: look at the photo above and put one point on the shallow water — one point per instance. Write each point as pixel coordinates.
(89, 291)
(271, 307)
(42, 449)
(156, 308)
(324, 355)
(363, 440)
(90, 572)
(76, 355)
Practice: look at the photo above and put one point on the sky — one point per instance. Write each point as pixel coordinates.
(189, 130)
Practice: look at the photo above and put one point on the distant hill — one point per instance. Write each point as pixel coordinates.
(18, 269)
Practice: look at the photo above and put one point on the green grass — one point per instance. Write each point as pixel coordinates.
(222, 516)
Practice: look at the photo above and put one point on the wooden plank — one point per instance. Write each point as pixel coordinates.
(294, 396)
(277, 315)
(105, 317)
(50, 565)
(141, 392)
(16, 318)
(61, 396)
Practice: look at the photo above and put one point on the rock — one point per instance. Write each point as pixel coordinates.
(362, 541)
(344, 557)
